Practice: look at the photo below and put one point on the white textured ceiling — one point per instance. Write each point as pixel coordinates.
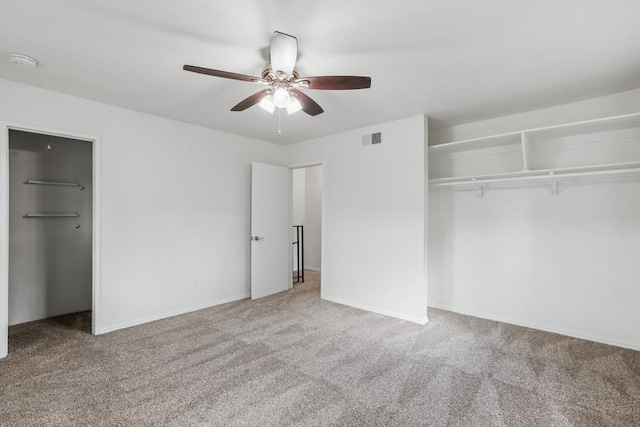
(455, 60)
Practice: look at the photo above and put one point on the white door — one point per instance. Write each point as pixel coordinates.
(270, 234)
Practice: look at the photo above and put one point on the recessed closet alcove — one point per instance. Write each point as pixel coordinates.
(50, 226)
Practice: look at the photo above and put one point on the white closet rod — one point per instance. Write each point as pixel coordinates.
(550, 174)
(44, 215)
(66, 184)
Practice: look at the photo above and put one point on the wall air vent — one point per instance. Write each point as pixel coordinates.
(372, 139)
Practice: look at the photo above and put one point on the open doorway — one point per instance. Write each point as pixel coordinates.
(307, 225)
(49, 220)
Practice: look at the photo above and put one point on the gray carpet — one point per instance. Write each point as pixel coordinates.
(292, 359)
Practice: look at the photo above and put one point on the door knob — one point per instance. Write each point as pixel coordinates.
(256, 238)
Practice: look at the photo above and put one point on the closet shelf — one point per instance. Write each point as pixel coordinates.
(63, 184)
(603, 148)
(625, 121)
(49, 215)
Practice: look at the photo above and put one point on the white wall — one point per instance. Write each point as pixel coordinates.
(174, 207)
(313, 218)
(373, 234)
(567, 264)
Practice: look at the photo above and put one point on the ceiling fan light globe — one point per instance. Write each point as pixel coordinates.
(267, 104)
(281, 98)
(294, 106)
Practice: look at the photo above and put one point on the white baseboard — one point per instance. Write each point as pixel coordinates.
(312, 268)
(418, 320)
(534, 325)
(170, 314)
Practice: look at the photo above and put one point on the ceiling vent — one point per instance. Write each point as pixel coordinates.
(24, 60)
(372, 139)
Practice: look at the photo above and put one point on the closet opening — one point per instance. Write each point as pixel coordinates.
(50, 250)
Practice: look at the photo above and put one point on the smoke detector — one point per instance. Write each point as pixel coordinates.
(24, 60)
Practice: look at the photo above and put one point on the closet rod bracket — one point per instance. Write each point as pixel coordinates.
(480, 188)
(554, 184)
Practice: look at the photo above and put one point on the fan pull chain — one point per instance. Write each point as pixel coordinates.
(279, 121)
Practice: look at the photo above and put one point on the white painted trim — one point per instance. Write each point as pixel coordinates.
(171, 314)
(538, 326)
(4, 239)
(305, 165)
(5, 126)
(424, 294)
(96, 291)
(418, 320)
(312, 269)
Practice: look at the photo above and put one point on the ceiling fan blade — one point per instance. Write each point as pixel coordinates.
(309, 106)
(335, 82)
(284, 52)
(251, 101)
(223, 74)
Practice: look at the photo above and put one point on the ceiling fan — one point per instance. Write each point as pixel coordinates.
(283, 82)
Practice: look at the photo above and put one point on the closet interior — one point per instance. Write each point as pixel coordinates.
(50, 226)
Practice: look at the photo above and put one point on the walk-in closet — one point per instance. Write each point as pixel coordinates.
(50, 226)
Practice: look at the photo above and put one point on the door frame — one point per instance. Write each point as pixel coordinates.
(305, 165)
(96, 305)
